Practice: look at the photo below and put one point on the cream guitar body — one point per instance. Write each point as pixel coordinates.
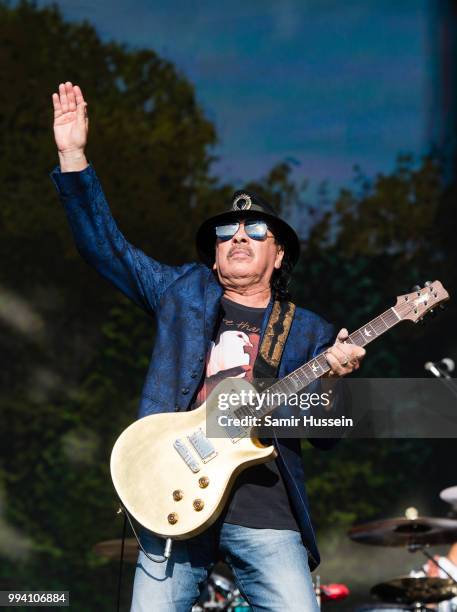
(173, 478)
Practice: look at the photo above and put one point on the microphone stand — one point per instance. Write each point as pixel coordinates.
(445, 377)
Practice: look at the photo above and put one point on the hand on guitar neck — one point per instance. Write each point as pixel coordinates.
(343, 358)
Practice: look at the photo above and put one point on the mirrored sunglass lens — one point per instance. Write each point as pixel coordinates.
(225, 232)
(256, 229)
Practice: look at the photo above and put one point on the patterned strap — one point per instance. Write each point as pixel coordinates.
(267, 363)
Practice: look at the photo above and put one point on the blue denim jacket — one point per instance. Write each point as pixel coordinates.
(185, 301)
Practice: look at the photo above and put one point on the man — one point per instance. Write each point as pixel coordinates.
(214, 315)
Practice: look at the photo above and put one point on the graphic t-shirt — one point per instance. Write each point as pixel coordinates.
(259, 498)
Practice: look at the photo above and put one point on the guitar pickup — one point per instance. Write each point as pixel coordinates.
(202, 445)
(186, 455)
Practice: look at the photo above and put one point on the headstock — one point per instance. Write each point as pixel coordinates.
(415, 305)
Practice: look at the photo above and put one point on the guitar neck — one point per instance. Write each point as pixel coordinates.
(318, 366)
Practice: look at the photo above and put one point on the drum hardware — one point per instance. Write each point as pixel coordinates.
(221, 593)
(382, 607)
(420, 531)
(449, 495)
(415, 591)
(440, 369)
(317, 590)
(329, 592)
(416, 534)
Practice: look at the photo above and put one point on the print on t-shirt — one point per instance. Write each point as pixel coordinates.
(232, 354)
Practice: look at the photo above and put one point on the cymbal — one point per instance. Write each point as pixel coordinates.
(406, 532)
(410, 590)
(449, 495)
(111, 549)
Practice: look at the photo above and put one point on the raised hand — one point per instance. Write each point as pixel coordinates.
(71, 126)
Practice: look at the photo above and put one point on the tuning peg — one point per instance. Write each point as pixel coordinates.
(416, 288)
(428, 283)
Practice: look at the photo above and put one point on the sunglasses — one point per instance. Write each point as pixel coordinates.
(257, 230)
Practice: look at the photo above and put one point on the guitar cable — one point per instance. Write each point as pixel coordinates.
(168, 541)
(119, 579)
(166, 553)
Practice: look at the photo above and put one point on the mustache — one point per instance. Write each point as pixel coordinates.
(234, 248)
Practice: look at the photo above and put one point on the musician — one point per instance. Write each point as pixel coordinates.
(449, 564)
(211, 317)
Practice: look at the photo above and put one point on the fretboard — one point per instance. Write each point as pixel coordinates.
(300, 378)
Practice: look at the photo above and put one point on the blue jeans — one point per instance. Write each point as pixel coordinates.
(270, 568)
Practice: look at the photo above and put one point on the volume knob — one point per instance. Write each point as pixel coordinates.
(203, 482)
(198, 504)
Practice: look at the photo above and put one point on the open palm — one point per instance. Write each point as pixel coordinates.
(71, 124)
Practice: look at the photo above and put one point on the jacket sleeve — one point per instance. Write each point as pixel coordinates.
(102, 245)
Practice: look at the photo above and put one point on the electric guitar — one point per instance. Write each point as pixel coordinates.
(174, 479)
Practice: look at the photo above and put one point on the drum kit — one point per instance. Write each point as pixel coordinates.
(415, 533)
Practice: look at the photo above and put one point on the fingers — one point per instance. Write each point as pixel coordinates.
(335, 365)
(343, 335)
(340, 354)
(57, 105)
(344, 358)
(78, 94)
(70, 96)
(63, 97)
(81, 112)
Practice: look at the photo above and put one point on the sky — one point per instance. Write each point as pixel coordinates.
(323, 83)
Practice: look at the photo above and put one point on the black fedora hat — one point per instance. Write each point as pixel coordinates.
(246, 205)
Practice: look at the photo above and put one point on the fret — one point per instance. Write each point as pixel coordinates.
(322, 361)
(358, 338)
(278, 387)
(289, 387)
(295, 379)
(398, 317)
(374, 328)
(310, 376)
(307, 373)
(316, 367)
(380, 324)
(368, 333)
(303, 376)
(391, 317)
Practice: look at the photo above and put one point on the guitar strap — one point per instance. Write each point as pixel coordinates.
(269, 356)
